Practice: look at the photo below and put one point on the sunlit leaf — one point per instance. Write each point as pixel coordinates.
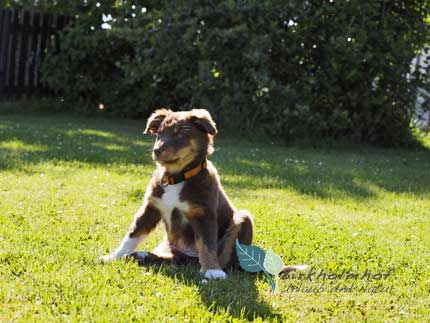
(251, 258)
(273, 263)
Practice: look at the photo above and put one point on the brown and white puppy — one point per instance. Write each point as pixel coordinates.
(201, 223)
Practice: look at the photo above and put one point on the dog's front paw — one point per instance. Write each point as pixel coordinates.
(215, 274)
(110, 257)
(138, 256)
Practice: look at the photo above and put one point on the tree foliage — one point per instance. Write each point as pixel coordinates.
(289, 68)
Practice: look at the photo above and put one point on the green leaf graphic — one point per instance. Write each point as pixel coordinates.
(273, 263)
(251, 258)
(272, 283)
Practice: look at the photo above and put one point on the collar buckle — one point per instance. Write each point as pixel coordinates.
(164, 181)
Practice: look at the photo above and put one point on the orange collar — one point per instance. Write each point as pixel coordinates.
(183, 176)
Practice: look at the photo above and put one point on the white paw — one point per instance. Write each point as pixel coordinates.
(110, 257)
(215, 274)
(139, 255)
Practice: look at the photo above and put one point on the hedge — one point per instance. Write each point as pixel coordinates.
(291, 69)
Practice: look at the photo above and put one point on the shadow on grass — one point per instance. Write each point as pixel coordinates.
(27, 143)
(324, 173)
(237, 295)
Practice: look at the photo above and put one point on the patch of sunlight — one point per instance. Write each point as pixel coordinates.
(110, 147)
(426, 143)
(369, 187)
(245, 181)
(18, 145)
(422, 137)
(99, 133)
(142, 143)
(93, 132)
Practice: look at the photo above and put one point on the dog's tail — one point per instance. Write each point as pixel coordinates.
(288, 269)
(246, 231)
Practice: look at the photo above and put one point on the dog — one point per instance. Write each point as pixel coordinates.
(185, 193)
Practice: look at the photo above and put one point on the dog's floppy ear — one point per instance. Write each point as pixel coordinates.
(203, 121)
(155, 120)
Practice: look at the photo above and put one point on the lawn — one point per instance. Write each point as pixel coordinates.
(69, 187)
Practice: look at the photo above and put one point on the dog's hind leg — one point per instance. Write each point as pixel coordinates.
(242, 229)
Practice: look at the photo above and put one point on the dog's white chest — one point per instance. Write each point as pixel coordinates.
(170, 200)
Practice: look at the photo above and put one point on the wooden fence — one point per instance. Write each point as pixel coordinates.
(25, 38)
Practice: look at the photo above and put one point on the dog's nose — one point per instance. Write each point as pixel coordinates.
(157, 151)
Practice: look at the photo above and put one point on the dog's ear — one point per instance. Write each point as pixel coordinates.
(203, 121)
(155, 120)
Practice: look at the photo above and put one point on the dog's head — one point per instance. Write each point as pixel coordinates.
(182, 137)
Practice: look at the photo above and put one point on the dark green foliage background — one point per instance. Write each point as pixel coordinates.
(289, 68)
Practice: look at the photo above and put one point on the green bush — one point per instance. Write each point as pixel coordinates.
(292, 69)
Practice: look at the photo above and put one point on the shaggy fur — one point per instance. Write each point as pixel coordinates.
(201, 223)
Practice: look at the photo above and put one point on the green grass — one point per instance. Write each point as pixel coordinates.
(69, 187)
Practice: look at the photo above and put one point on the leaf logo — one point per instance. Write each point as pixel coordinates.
(251, 258)
(273, 263)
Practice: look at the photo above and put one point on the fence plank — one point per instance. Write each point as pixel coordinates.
(25, 38)
(29, 52)
(2, 12)
(32, 77)
(23, 53)
(4, 40)
(45, 35)
(11, 59)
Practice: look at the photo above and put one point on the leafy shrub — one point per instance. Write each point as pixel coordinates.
(291, 68)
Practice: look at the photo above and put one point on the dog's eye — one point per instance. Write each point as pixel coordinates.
(183, 133)
(185, 130)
